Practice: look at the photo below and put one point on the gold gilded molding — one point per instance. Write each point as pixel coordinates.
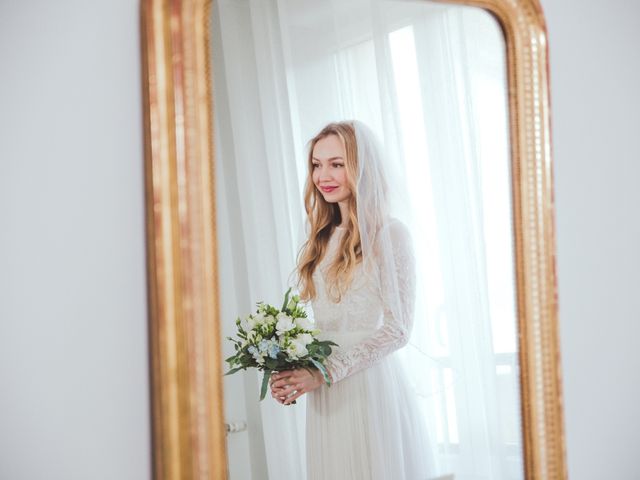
(532, 179)
(185, 344)
(525, 32)
(184, 337)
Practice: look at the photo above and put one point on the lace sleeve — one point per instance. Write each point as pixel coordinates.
(398, 296)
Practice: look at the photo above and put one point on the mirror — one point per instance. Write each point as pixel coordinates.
(457, 92)
(430, 80)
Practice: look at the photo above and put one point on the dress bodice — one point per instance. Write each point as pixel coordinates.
(359, 309)
(374, 317)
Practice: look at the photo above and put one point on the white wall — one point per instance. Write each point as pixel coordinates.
(595, 91)
(74, 400)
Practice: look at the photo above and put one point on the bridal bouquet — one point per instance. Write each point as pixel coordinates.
(278, 339)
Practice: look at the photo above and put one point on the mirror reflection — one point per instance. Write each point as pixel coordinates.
(426, 369)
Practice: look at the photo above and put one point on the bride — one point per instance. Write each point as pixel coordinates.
(357, 269)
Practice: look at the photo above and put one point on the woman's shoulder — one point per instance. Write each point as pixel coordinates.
(394, 236)
(397, 229)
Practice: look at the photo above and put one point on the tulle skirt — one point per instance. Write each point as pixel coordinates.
(367, 426)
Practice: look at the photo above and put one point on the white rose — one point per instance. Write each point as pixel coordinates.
(305, 339)
(296, 349)
(284, 323)
(304, 323)
(259, 319)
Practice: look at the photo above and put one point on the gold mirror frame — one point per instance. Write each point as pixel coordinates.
(184, 325)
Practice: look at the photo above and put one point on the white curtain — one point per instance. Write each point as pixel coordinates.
(260, 195)
(430, 80)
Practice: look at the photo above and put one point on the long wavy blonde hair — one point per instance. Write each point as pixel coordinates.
(323, 217)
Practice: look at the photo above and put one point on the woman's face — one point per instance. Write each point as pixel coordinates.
(329, 173)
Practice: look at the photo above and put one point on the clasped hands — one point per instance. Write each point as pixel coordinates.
(288, 385)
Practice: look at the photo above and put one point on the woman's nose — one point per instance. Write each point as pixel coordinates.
(325, 173)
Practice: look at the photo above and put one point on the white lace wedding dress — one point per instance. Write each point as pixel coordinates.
(366, 425)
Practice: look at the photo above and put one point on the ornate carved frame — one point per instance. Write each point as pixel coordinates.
(186, 364)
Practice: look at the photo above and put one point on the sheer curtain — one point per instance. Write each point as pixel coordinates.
(263, 227)
(430, 80)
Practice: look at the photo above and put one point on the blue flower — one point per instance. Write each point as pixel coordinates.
(252, 350)
(274, 349)
(263, 346)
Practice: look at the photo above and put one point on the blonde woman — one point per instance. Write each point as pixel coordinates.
(357, 270)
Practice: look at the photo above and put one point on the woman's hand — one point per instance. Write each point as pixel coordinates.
(299, 380)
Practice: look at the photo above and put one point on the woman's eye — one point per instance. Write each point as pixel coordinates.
(335, 165)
